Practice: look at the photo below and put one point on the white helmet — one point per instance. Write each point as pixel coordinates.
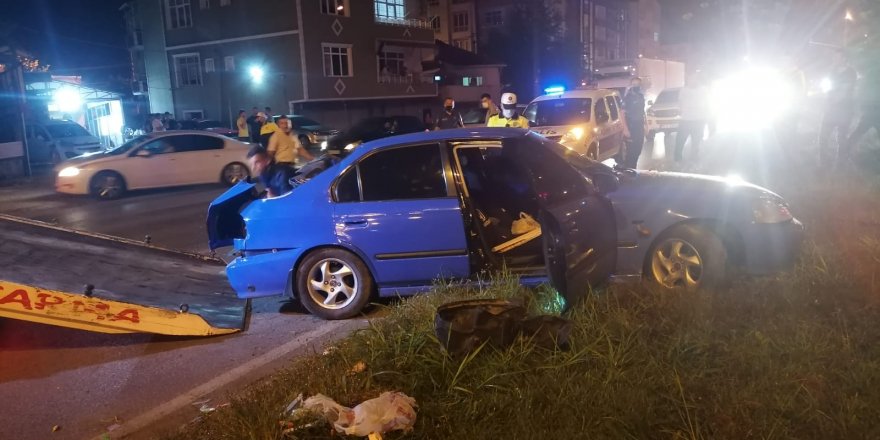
(508, 105)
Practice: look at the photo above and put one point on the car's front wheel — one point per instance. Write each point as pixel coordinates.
(333, 284)
(234, 173)
(688, 256)
(107, 185)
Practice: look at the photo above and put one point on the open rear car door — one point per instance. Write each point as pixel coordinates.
(579, 230)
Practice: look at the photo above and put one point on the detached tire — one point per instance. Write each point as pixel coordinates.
(333, 284)
(687, 257)
(107, 185)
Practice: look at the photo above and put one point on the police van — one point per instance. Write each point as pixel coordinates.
(589, 122)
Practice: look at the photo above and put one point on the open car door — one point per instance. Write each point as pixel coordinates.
(578, 224)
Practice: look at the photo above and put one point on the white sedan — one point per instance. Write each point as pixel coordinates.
(155, 160)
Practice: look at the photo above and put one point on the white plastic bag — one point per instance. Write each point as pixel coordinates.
(391, 411)
(524, 224)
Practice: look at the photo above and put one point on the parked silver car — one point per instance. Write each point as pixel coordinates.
(54, 141)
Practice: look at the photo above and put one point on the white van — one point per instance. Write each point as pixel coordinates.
(589, 122)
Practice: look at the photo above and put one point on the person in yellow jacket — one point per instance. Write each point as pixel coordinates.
(509, 116)
(267, 128)
(241, 124)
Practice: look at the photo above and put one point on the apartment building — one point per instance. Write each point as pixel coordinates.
(334, 60)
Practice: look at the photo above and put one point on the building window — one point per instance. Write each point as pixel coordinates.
(209, 65)
(337, 60)
(187, 69)
(435, 24)
(334, 7)
(391, 63)
(460, 22)
(178, 14)
(394, 9)
(229, 63)
(494, 18)
(462, 44)
(472, 81)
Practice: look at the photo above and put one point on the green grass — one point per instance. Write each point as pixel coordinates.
(791, 357)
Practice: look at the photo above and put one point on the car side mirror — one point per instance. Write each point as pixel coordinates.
(606, 183)
(143, 153)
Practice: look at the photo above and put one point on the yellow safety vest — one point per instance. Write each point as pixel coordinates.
(269, 127)
(500, 121)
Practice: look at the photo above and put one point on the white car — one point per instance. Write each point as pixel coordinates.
(588, 122)
(155, 160)
(53, 141)
(664, 114)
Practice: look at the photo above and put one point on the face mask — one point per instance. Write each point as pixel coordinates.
(485, 105)
(448, 108)
(509, 114)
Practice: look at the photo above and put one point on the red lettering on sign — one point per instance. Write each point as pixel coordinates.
(47, 300)
(127, 315)
(20, 296)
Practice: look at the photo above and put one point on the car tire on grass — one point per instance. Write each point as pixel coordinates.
(234, 173)
(687, 256)
(333, 284)
(107, 185)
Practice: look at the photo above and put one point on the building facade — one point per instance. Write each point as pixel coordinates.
(454, 22)
(334, 60)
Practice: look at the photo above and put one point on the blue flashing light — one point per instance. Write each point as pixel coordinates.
(554, 90)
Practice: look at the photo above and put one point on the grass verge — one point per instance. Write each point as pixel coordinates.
(796, 356)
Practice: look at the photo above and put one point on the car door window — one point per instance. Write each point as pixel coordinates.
(195, 142)
(414, 172)
(159, 146)
(612, 106)
(347, 188)
(555, 180)
(601, 112)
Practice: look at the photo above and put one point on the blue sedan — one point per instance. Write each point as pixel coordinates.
(401, 212)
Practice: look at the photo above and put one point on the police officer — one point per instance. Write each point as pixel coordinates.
(450, 118)
(634, 112)
(509, 116)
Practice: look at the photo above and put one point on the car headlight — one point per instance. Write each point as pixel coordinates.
(69, 172)
(770, 210)
(323, 145)
(574, 135)
(352, 146)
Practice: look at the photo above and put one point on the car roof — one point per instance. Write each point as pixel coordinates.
(578, 93)
(475, 134)
(157, 134)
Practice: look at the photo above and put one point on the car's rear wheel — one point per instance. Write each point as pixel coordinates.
(234, 173)
(107, 185)
(333, 284)
(689, 257)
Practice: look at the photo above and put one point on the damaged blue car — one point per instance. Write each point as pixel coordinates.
(399, 213)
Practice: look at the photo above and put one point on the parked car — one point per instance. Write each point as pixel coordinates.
(664, 114)
(588, 122)
(373, 128)
(309, 131)
(155, 160)
(398, 213)
(56, 140)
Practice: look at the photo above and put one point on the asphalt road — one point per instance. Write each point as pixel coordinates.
(135, 386)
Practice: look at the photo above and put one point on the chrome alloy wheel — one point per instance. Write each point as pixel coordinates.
(332, 283)
(676, 263)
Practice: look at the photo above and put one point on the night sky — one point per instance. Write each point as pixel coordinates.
(84, 37)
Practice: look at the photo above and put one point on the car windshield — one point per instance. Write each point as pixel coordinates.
(66, 130)
(563, 111)
(300, 121)
(128, 145)
(668, 96)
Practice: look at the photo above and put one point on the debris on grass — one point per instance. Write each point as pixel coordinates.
(391, 411)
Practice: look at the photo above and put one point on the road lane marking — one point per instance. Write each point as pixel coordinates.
(185, 400)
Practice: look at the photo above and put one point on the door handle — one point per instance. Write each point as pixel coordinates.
(356, 223)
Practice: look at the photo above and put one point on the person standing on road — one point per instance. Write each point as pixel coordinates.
(509, 116)
(634, 116)
(275, 177)
(156, 123)
(869, 103)
(839, 107)
(242, 124)
(449, 118)
(254, 125)
(694, 107)
(284, 146)
(488, 105)
(267, 128)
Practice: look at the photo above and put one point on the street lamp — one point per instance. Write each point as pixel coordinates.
(848, 16)
(257, 74)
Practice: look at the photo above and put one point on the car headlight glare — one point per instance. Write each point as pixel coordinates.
(323, 145)
(69, 172)
(770, 210)
(574, 135)
(351, 146)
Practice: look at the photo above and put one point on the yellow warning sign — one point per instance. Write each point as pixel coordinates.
(27, 303)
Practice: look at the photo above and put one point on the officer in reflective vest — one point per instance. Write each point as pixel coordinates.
(508, 117)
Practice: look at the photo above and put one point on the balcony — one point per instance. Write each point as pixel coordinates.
(417, 23)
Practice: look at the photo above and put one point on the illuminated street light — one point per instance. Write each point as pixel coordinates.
(67, 99)
(256, 74)
(848, 16)
(340, 8)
